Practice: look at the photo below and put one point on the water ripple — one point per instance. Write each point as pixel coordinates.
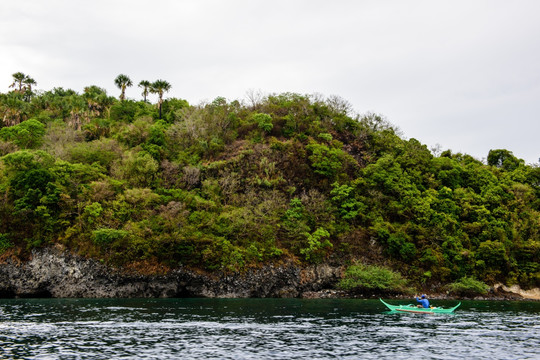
(261, 329)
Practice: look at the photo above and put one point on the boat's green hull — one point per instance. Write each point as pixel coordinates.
(416, 310)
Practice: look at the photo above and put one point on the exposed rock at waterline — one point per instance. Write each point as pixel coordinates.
(54, 273)
(532, 294)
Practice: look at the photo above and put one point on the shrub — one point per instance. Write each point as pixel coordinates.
(493, 253)
(316, 246)
(28, 134)
(139, 169)
(104, 237)
(399, 246)
(372, 278)
(96, 129)
(103, 152)
(222, 255)
(264, 121)
(92, 212)
(468, 286)
(325, 136)
(4, 243)
(326, 161)
(343, 197)
(124, 111)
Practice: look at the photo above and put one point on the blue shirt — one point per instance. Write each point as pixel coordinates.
(424, 302)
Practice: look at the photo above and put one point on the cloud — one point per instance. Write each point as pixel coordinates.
(463, 74)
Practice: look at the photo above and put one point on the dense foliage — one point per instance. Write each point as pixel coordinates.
(468, 286)
(227, 185)
(373, 279)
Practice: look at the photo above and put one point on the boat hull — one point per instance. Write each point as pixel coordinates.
(416, 310)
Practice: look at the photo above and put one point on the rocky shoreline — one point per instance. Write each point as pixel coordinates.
(59, 274)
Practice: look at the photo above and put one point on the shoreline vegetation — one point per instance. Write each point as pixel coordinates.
(57, 273)
(229, 187)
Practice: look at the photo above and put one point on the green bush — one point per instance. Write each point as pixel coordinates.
(264, 121)
(103, 152)
(372, 278)
(105, 237)
(343, 197)
(326, 161)
(96, 129)
(400, 247)
(325, 136)
(468, 286)
(224, 256)
(92, 212)
(316, 247)
(124, 111)
(28, 134)
(4, 243)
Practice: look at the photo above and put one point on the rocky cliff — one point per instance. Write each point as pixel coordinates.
(55, 273)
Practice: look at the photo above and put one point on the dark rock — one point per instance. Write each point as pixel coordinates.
(56, 273)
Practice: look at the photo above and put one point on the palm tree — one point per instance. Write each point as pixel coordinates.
(76, 105)
(123, 81)
(145, 84)
(97, 100)
(14, 109)
(18, 80)
(23, 84)
(28, 81)
(159, 87)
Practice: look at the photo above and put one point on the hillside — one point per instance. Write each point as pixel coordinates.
(226, 186)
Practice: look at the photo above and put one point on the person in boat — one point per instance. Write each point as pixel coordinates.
(424, 302)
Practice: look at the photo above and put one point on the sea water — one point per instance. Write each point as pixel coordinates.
(263, 329)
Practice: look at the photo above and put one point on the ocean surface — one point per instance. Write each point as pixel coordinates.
(263, 329)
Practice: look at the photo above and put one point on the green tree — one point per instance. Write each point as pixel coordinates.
(343, 196)
(326, 160)
(27, 134)
(97, 99)
(503, 159)
(25, 160)
(138, 169)
(34, 194)
(5, 243)
(160, 87)
(317, 244)
(264, 121)
(122, 81)
(124, 110)
(295, 223)
(23, 84)
(146, 86)
(105, 237)
(18, 81)
(29, 82)
(13, 108)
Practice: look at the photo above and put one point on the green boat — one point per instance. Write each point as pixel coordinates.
(416, 310)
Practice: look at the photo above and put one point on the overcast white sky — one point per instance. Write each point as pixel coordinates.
(462, 74)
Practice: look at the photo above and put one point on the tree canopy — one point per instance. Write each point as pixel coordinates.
(223, 186)
(122, 82)
(160, 87)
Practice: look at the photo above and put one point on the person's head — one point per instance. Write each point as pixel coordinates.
(423, 296)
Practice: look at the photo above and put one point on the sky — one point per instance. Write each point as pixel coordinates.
(459, 75)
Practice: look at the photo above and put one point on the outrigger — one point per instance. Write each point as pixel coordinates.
(416, 310)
